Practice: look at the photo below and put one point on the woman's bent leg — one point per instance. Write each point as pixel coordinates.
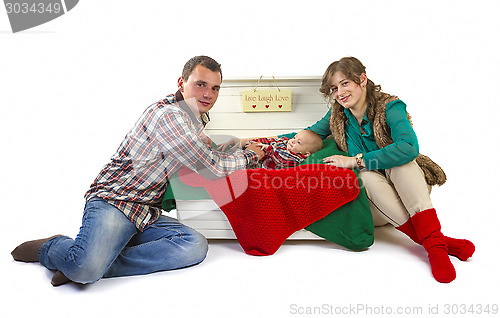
(416, 199)
(385, 203)
(164, 245)
(409, 182)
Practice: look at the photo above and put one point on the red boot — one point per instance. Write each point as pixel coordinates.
(428, 230)
(463, 249)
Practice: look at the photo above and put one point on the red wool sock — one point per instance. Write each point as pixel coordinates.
(265, 207)
(463, 249)
(428, 229)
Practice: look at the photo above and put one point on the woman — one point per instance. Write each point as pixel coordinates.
(375, 130)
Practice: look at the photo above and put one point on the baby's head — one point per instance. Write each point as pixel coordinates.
(305, 142)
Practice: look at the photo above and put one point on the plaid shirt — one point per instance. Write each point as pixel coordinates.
(277, 156)
(164, 138)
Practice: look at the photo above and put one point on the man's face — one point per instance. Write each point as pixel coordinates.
(201, 88)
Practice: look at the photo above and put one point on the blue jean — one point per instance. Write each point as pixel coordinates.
(109, 245)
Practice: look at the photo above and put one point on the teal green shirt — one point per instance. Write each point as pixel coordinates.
(403, 150)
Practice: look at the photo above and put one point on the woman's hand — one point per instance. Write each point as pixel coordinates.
(341, 161)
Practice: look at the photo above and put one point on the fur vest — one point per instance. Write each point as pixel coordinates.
(382, 134)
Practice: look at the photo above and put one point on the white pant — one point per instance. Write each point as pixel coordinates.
(398, 195)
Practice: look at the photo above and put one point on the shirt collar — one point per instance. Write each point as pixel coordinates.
(352, 119)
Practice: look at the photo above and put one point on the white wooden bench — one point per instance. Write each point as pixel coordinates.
(228, 120)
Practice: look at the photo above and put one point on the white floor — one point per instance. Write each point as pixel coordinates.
(302, 278)
(71, 89)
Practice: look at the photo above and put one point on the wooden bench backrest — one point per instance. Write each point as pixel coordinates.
(228, 118)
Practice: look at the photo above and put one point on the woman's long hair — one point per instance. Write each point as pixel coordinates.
(352, 68)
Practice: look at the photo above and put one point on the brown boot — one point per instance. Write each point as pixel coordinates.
(28, 251)
(59, 279)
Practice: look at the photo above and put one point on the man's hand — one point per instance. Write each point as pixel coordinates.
(258, 144)
(233, 142)
(205, 139)
(257, 149)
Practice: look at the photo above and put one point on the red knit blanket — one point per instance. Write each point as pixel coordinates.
(265, 207)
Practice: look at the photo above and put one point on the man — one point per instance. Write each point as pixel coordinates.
(123, 232)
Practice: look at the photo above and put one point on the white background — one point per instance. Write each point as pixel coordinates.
(72, 88)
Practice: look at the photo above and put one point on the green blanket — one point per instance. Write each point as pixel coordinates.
(350, 226)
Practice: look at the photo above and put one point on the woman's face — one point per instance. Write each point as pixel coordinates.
(348, 93)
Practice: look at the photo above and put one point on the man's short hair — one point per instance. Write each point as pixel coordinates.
(202, 60)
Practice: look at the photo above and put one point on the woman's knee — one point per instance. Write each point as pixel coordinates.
(409, 169)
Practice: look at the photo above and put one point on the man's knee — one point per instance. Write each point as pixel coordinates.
(190, 245)
(87, 267)
(85, 274)
(196, 247)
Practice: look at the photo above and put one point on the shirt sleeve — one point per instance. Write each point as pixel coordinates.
(321, 127)
(177, 138)
(405, 147)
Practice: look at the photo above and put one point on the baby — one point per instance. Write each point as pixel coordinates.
(284, 152)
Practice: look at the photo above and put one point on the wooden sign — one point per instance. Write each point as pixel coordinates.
(269, 100)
